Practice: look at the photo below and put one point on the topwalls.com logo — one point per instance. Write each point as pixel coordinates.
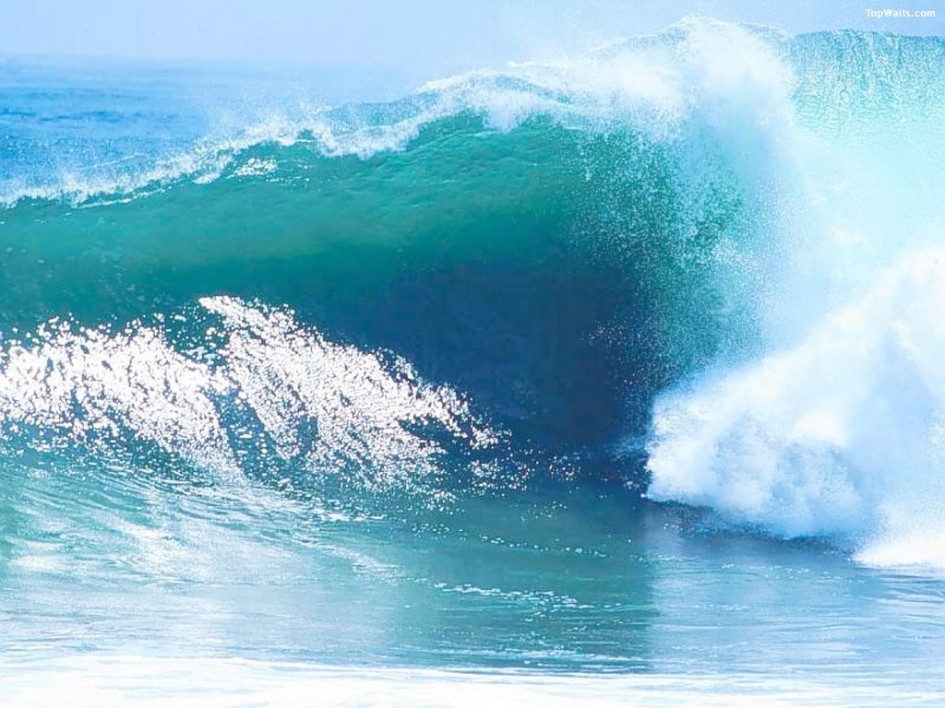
(900, 13)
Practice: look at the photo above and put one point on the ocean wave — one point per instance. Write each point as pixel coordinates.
(685, 238)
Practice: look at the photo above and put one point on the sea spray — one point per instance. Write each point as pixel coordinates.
(838, 436)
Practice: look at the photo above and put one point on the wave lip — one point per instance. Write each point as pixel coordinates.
(650, 85)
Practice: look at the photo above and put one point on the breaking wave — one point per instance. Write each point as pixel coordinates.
(706, 259)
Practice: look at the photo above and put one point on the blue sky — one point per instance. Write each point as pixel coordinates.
(420, 38)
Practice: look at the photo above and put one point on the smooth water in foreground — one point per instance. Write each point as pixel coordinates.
(616, 379)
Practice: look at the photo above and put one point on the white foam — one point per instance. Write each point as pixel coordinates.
(361, 406)
(89, 383)
(116, 679)
(94, 387)
(842, 435)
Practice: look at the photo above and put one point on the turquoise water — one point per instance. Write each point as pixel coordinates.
(615, 378)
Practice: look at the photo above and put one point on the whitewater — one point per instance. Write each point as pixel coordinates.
(618, 377)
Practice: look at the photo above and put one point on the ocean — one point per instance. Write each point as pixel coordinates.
(612, 379)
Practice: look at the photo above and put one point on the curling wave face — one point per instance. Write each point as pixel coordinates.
(547, 239)
(517, 261)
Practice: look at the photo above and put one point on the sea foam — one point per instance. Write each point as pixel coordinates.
(842, 435)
